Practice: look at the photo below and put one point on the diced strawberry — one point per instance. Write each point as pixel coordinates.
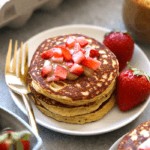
(91, 63)
(77, 69)
(60, 72)
(82, 41)
(94, 53)
(83, 50)
(69, 64)
(57, 52)
(77, 47)
(46, 70)
(70, 42)
(78, 57)
(66, 54)
(47, 54)
(57, 59)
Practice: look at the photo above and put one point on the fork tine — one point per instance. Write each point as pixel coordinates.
(19, 74)
(14, 66)
(8, 57)
(25, 64)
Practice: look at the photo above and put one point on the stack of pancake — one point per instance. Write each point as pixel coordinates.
(85, 99)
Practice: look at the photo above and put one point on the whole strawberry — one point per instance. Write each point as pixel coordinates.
(122, 45)
(133, 87)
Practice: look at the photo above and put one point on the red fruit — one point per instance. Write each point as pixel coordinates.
(66, 54)
(94, 53)
(26, 144)
(82, 41)
(60, 72)
(78, 57)
(46, 70)
(57, 59)
(57, 52)
(77, 47)
(76, 69)
(70, 42)
(133, 87)
(122, 45)
(47, 54)
(69, 64)
(4, 146)
(91, 63)
(9, 140)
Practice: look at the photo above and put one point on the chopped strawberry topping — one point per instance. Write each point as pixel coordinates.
(94, 53)
(69, 64)
(82, 41)
(72, 54)
(57, 59)
(46, 70)
(66, 54)
(60, 72)
(70, 42)
(47, 54)
(77, 47)
(57, 52)
(78, 57)
(91, 63)
(77, 69)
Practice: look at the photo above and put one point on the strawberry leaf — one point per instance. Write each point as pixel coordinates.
(138, 72)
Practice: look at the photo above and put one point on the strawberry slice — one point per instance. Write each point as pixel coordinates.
(57, 52)
(69, 64)
(46, 70)
(47, 54)
(94, 53)
(77, 47)
(57, 59)
(70, 42)
(77, 69)
(82, 41)
(66, 54)
(78, 57)
(91, 63)
(60, 72)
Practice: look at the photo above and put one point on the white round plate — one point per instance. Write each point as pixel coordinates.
(115, 118)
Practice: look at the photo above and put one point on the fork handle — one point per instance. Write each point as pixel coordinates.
(30, 112)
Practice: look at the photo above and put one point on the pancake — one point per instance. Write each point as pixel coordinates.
(67, 110)
(82, 119)
(136, 138)
(83, 90)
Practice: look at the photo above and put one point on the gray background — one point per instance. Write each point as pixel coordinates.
(105, 13)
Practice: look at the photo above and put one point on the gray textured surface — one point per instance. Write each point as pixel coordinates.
(105, 13)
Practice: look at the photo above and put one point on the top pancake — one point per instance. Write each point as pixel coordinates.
(82, 90)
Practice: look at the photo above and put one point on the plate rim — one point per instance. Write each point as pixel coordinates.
(74, 132)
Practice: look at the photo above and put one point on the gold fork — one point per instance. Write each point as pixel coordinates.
(16, 69)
